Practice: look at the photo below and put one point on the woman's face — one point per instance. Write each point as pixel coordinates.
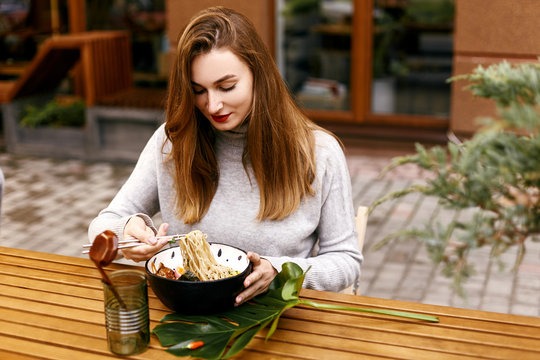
(223, 88)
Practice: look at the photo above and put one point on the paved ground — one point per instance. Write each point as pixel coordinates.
(48, 204)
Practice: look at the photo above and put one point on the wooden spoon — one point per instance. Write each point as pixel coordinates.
(102, 252)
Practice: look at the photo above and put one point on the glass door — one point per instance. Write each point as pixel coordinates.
(314, 51)
(412, 57)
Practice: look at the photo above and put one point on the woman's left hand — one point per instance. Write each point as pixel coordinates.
(137, 229)
(258, 281)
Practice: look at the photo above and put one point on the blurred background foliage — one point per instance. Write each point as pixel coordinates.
(58, 112)
(495, 175)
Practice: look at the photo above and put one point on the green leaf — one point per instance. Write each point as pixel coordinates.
(235, 328)
(213, 348)
(243, 339)
(403, 314)
(273, 327)
(293, 284)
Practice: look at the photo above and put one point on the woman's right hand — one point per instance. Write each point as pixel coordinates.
(136, 228)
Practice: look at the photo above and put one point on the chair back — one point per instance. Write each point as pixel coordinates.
(361, 224)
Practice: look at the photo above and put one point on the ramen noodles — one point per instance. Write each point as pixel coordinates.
(198, 261)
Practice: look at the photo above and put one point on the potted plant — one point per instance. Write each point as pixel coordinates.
(45, 125)
(63, 126)
(59, 112)
(495, 175)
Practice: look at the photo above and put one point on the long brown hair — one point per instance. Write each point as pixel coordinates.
(280, 145)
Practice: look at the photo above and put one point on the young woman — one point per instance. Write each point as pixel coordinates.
(238, 160)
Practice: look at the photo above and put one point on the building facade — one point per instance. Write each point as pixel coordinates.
(362, 66)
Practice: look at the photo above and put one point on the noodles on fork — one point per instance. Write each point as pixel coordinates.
(198, 258)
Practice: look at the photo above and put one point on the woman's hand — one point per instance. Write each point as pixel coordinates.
(136, 228)
(258, 281)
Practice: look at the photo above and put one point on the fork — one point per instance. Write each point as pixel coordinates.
(169, 237)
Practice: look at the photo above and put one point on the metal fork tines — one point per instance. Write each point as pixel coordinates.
(169, 237)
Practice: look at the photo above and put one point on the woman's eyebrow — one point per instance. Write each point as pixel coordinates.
(218, 81)
(224, 78)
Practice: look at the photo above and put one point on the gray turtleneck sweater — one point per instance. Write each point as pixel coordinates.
(327, 216)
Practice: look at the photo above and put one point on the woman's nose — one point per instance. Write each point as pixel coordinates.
(215, 103)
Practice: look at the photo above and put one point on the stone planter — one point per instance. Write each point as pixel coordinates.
(111, 133)
(118, 133)
(40, 141)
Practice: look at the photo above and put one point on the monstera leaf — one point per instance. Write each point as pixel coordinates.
(222, 335)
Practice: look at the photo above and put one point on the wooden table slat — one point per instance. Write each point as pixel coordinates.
(51, 276)
(56, 310)
(84, 303)
(436, 310)
(444, 328)
(411, 340)
(363, 346)
(54, 258)
(70, 325)
(35, 257)
(4, 354)
(45, 286)
(39, 264)
(78, 341)
(52, 298)
(47, 351)
(47, 321)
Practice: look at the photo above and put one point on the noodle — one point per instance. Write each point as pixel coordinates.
(198, 258)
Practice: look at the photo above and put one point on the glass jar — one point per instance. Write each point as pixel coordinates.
(126, 312)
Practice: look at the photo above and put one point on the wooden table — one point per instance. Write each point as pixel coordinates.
(51, 307)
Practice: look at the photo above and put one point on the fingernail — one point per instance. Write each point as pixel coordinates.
(239, 300)
(152, 240)
(247, 283)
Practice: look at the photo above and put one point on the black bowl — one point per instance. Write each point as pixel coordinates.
(199, 297)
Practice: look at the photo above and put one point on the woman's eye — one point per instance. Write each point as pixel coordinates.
(202, 91)
(229, 88)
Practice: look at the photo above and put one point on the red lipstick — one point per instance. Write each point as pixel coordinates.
(220, 118)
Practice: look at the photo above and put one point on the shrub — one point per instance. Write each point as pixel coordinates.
(56, 113)
(495, 174)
